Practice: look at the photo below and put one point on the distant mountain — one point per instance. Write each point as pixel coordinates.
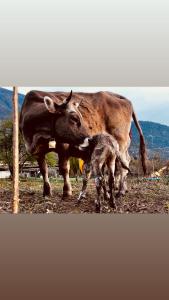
(6, 103)
(156, 138)
(156, 135)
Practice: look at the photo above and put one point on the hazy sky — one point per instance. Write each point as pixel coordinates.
(150, 103)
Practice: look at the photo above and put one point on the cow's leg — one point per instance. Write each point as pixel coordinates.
(123, 184)
(64, 168)
(128, 159)
(123, 178)
(86, 177)
(44, 171)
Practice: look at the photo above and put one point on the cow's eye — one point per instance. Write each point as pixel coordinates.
(75, 119)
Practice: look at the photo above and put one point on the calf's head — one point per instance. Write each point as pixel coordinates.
(67, 121)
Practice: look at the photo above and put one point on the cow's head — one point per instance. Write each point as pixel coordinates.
(68, 124)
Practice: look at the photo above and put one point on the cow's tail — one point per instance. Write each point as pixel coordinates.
(143, 152)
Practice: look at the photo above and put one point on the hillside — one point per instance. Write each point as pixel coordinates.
(6, 103)
(156, 137)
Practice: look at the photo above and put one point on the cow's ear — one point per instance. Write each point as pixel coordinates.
(50, 104)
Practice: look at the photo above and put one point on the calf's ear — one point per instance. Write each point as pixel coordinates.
(50, 104)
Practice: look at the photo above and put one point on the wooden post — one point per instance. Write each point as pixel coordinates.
(15, 204)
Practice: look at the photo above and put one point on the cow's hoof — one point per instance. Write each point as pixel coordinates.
(47, 190)
(66, 196)
(47, 195)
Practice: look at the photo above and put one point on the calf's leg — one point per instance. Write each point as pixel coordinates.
(97, 170)
(104, 183)
(111, 167)
(86, 177)
(98, 182)
(117, 175)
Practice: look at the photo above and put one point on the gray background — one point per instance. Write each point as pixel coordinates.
(85, 43)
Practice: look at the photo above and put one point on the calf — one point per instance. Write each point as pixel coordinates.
(100, 151)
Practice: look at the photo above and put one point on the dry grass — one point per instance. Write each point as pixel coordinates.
(144, 196)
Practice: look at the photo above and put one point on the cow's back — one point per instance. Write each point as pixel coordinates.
(107, 112)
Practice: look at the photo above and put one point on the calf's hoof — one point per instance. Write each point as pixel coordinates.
(77, 203)
(107, 196)
(112, 204)
(82, 196)
(120, 194)
(97, 208)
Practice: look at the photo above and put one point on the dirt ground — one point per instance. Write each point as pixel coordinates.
(144, 196)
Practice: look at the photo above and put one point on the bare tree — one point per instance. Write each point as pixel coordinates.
(15, 204)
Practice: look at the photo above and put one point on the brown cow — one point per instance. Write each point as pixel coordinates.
(102, 150)
(69, 119)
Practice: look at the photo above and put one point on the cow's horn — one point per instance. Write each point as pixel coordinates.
(66, 101)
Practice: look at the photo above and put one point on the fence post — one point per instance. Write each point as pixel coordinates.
(15, 204)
